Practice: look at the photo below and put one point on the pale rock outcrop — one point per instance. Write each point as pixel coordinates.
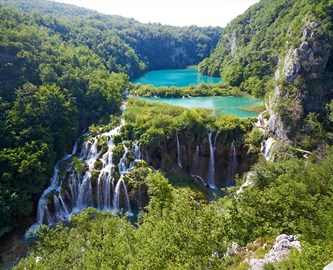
(329, 266)
(233, 45)
(307, 61)
(281, 248)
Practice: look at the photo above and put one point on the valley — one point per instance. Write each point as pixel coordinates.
(143, 146)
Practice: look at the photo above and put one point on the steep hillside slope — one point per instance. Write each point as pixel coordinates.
(282, 50)
(125, 45)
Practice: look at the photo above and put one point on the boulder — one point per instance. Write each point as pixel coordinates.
(329, 267)
(281, 248)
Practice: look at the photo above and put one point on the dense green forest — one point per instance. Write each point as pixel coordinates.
(59, 72)
(65, 70)
(124, 45)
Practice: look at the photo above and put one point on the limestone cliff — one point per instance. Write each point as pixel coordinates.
(195, 158)
(300, 81)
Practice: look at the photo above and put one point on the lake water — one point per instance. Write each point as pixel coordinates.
(175, 77)
(185, 77)
(220, 105)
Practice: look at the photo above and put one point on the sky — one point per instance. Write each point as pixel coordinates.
(171, 12)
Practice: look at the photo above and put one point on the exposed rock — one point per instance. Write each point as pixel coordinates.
(289, 103)
(329, 267)
(292, 66)
(194, 151)
(281, 248)
(235, 249)
(233, 45)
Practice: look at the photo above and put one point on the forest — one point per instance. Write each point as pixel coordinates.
(61, 70)
(64, 82)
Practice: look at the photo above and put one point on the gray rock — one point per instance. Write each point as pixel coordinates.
(307, 33)
(281, 248)
(314, 24)
(308, 61)
(329, 267)
(233, 45)
(292, 66)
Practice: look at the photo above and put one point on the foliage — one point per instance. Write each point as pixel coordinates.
(154, 122)
(60, 71)
(188, 91)
(179, 231)
(252, 44)
(125, 45)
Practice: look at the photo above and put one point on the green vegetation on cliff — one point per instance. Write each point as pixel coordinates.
(254, 43)
(282, 50)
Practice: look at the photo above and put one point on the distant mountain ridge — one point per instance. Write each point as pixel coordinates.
(124, 44)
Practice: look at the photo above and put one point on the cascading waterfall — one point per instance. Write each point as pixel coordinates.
(116, 198)
(232, 169)
(136, 151)
(63, 212)
(178, 152)
(196, 164)
(122, 167)
(248, 181)
(267, 148)
(105, 178)
(211, 168)
(43, 212)
(72, 190)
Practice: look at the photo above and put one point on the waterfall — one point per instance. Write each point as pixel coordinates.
(43, 213)
(105, 177)
(211, 168)
(178, 152)
(122, 167)
(232, 169)
(71, 191)
(84, 198)
(61, 210)
(196, 164)
(116, 198)
(267, 148)
(73, 186)
(136, 151)
(248, 181)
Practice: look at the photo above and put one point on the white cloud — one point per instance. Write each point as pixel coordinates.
(173, 12)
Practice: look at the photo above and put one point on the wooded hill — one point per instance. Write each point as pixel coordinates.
(60, 71)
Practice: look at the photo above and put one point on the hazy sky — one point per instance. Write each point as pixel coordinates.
(173, 12)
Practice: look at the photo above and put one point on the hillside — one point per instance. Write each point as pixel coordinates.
(111, 182)
(282, 50)
(63, 68)
(125, 45)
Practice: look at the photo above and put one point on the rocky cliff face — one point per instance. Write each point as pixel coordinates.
(299, 82)
(195, 157)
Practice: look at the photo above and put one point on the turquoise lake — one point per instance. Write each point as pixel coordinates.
(219, 105)
(185, 77)
(175, 77)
